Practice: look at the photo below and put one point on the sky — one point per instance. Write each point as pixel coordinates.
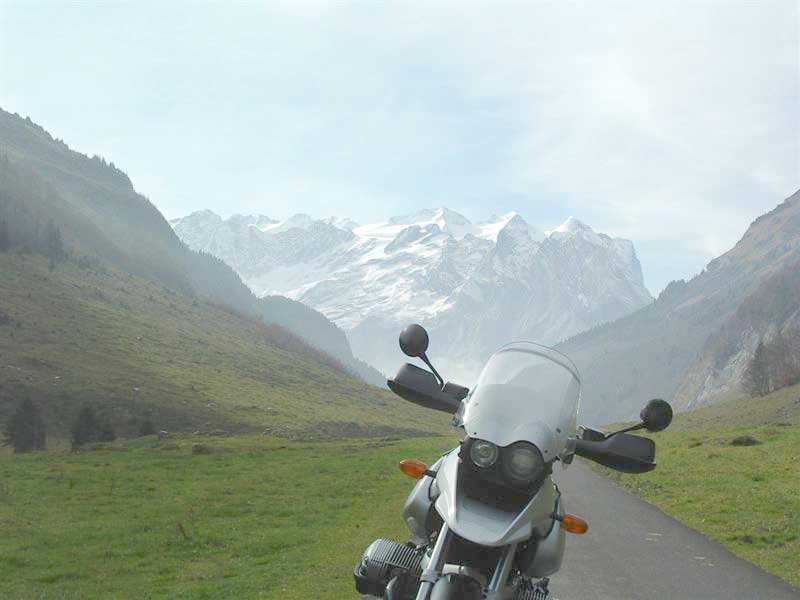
(671, 123)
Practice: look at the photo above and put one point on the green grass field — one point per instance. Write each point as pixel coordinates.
(745, 497)
(257, 518)
(275, 518)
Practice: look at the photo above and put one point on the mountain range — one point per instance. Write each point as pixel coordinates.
(121, 277)
(473, 285)
(693, 344)
(476, 286)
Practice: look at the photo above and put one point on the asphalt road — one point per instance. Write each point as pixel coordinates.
(633, 551)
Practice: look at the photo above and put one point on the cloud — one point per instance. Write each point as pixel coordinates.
(671, 123)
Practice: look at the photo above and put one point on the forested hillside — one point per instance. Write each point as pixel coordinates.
(48, 190)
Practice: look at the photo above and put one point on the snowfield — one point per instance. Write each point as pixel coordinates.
(474, 286)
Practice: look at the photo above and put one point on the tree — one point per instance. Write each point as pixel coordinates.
(779, 361)
(25, 431)
(756, 376)
(5, 238)
(146, 427)
(54, 245)
(107, 433)
(85, 429)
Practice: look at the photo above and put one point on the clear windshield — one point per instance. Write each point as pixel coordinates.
(525, 392)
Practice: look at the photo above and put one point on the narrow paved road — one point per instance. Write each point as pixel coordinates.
(633, 551)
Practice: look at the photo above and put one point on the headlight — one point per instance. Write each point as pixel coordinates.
(523, 462)
(483, 454)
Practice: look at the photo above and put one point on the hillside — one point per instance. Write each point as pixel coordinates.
(650, 352)
(769, 317)
(100, 215)
(72, 334)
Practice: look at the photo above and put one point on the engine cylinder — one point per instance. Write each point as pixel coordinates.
(382, 560)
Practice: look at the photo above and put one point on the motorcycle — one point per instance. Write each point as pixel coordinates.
(486, 519)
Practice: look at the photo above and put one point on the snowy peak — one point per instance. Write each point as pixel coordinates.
(298, 221)
(342, 223)
(571, 225)
(448, 221)
(491, 228)
(475, 286)
(574, 229)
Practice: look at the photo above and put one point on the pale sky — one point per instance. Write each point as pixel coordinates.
(672, 123)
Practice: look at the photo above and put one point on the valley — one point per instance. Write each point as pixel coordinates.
(276, 464)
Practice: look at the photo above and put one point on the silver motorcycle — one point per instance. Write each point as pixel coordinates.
(486, 519)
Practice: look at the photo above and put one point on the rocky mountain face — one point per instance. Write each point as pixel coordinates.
(770, 317)
(694, 342)
(474, 286)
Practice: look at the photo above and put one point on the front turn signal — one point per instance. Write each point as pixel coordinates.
(413, 468)
(573, 524)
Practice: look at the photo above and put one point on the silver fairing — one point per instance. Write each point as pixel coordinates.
(416, 512)
(483, 524)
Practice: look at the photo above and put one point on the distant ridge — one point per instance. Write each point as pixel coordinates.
(693, 342)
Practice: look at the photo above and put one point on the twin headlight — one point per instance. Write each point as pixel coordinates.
(521, 461)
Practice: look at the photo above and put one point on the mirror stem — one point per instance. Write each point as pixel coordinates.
(627, 429)
(424, 358)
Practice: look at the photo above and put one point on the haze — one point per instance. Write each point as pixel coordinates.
(673, 124)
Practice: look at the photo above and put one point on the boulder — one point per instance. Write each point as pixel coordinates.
(745, 440)
(202, 449)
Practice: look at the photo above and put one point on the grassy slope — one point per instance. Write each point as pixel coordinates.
(136, 348)
(747, 498)
(259, 518)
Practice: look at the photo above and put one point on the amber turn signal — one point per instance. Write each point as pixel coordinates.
(573, 524)
(413, 468)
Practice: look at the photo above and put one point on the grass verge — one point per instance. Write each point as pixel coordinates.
(745, 497)
(254, 518)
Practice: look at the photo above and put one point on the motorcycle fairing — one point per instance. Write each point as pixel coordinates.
(483, 524)
(525, 392)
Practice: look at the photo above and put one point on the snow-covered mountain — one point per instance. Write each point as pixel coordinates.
(474, 286)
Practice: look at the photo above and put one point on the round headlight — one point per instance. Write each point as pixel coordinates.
(483, 454)
(523, 462)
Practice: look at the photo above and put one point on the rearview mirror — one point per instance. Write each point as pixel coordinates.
(421, 387)
(656, 415)
(414, 341)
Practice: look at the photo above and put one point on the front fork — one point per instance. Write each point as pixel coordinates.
(434, 569)
(497, 589)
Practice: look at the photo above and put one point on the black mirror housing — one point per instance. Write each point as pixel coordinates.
(656, 415)
(421, 387)
(414, 341)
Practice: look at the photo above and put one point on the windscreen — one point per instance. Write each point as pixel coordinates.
(525, 392)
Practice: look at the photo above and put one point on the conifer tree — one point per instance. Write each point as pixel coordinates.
(5, 239)
(146, 427)
(54, 245)
(85, 429)
(25, 431)
(756, 375)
